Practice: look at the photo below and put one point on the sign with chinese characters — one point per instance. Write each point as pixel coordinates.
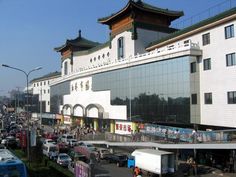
(81, 169)
(123, 128)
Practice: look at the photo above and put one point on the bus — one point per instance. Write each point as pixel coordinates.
(10, 165)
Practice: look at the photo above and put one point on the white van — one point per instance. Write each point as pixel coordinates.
(50, 150)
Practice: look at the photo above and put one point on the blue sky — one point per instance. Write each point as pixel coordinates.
(31, 29)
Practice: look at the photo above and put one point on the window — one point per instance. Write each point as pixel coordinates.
(229, 31)
(34, 85)
(208, 98)
(48, 91)
(65, 68)
(48, 82)
(207, 64)
(194, 98)
(48, 102)
(37, 84)
(120, 47)
(44, 82)
(232, 97)
(206, 39)
(230, 59)
(40, 83)
(44, 91)
(193, 67)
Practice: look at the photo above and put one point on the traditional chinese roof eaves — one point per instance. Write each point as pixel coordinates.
(78, 42)
(196, 26)
(47, 76)
(94, 49)
(144, 7)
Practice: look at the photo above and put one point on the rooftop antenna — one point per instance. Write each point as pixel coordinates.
(79, 33)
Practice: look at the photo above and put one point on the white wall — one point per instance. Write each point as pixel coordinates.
(219, 80)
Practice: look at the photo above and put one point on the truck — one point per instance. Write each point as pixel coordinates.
(154, 161)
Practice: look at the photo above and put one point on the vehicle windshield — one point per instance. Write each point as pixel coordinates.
(69, 137)
(64, 157)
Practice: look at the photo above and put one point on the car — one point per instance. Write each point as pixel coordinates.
(63, 159)
(118, 159)
(77, 156)
(50, 150)
(103, 152)
(66, 137)
(88, 146)
(72, 142)
(47, 141)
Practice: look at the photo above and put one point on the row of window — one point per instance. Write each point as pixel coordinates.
(231, 97)
(229, 33)
(230, 61)
(99, 57)
(41, 83)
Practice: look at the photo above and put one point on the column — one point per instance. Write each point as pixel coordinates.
(112, 126)
(81, 122)
(95, 124)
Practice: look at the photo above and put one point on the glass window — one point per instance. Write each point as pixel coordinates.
(229, 31)
(121, 47)
(208, 98)
(206, 39)
(194, 98)
(48, 102)
(207, 64)
(48, 82)
(65, 68)
(193, 67)
(40, 83)
(232, 97)
(48, 91)
(230, 59)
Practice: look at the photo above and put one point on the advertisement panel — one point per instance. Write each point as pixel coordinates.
(81, 169)
(123, 128)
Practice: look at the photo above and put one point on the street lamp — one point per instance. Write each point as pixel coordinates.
(27, 101)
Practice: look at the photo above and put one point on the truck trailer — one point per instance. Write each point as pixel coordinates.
(154, 161)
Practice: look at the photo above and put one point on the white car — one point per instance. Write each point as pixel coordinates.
(87, 145)
(72, 142)
(49, 141)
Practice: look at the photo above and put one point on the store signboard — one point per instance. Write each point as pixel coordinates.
(123, 128)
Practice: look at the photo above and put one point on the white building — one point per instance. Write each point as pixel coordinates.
(149, 71)
(41, 87)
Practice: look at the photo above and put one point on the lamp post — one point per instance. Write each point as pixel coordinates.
(27, 101)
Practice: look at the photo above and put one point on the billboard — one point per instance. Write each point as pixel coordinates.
(81, 169)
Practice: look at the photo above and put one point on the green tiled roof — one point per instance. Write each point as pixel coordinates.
(145, 7)
(47, 76)
(195, 26)
(78, 42)
(94, 49)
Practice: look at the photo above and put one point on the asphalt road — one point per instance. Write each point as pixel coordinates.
(112, 170)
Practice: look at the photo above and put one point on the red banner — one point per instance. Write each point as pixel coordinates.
(23, 139)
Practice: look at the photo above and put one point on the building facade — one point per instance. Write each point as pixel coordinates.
(40, 87)
(150, 72)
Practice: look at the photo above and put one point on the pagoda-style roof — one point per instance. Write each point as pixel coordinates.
(78, 43)
(141, 6)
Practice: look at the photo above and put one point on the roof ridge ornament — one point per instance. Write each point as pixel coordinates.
(79, 33)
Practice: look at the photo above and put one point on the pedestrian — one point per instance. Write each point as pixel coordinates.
(137, 171)
(166, 135)
(177, 136)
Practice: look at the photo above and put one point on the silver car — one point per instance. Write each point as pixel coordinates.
(63, 159)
